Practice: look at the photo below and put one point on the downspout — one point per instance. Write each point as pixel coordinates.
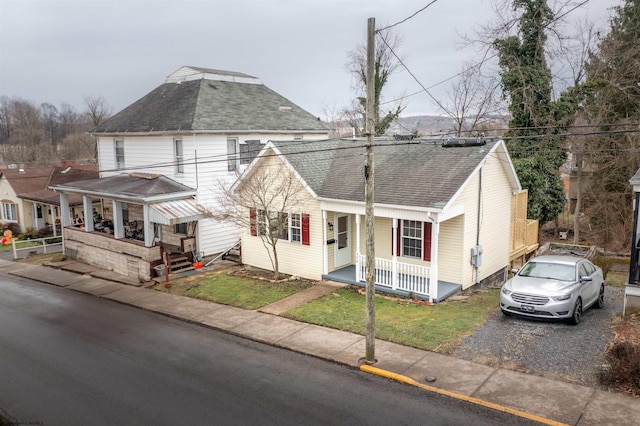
(476, 260)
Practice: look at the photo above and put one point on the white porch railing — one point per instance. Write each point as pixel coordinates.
(397, 275)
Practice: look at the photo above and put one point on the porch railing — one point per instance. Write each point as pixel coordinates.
(24, 248)
(397, 275)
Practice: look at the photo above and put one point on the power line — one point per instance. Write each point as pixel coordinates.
(407, 18)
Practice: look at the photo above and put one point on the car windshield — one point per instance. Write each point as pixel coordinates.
(554, 271)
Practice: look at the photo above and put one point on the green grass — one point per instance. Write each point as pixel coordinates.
(232, 290)
(432, 327)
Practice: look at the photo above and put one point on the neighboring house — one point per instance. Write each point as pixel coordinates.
(199, 128)
(632, 289)
(26, 200)
(444, 213)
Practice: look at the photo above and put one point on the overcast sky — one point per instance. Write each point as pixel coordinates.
(60, 51)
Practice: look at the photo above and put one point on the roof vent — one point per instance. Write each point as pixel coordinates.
(403, 136)
(284, 108)
(453, 143)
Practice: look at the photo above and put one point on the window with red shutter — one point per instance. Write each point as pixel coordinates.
(305, 229)
(427, 242)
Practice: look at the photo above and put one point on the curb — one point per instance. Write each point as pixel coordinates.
(409, 381)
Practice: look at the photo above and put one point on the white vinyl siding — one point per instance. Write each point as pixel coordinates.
(213, 237)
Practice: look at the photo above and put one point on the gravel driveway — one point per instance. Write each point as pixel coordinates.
(552, 349)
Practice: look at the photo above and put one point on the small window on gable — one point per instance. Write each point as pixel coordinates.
(178, 156)
(118, 148)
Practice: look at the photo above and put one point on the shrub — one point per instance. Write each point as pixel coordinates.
(623, 359)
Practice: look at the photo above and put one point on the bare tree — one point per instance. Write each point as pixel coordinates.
(474, 100)
(98, 109)
(266, 199)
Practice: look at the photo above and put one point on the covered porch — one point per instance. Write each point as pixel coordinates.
(148, 225)
(407, 271)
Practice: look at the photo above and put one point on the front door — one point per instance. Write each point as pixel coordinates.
(343, 240)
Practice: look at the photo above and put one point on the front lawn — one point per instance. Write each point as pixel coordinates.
(431, 327)
(228, 289)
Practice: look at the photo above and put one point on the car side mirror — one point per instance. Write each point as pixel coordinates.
(586, 279)
(514, 271)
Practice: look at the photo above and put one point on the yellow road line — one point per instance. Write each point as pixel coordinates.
(410, 381)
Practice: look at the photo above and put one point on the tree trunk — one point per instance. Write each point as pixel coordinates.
(576, 213)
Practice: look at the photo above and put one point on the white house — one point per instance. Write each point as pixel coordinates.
(199, 127)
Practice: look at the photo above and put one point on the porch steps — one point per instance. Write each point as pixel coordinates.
(180, 264)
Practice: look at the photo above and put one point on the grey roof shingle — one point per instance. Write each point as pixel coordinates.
(207, 104)
(422, 174)
(129, 185)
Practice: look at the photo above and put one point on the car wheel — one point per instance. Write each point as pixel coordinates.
(577, 313)
(600, 302)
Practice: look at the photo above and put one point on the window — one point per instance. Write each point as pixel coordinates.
(232, 154)
(10, 212)
(412, 238)
(180, 228)
(178, 156)
(293, 227)
(249, 150)
(119, 153)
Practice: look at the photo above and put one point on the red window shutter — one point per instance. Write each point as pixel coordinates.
(252, 222)
(426, 250)
(398, 238)
(305, 229)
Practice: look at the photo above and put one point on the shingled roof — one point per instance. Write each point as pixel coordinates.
(133, 186)
(32, 183)
(417, 174)
(200, 99)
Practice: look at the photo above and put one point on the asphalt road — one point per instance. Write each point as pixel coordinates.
(69, 358)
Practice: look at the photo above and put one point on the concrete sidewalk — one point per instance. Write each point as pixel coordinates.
(537, 398)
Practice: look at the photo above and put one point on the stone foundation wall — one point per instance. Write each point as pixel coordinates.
(125, 257)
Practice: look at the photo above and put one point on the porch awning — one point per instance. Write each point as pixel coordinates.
(177, 211)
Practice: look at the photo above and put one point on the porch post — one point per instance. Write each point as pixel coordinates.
(358, 257)
(433, 279)
(53, 219)
(34, 215)
(118, 227)
(325, 246)
(148, 227)
(88, 213)
(65, 211)
(394, 254)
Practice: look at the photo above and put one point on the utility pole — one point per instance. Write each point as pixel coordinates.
(370, 334)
